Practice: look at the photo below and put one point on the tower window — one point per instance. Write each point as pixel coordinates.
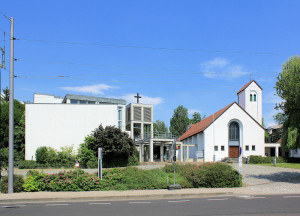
(255, 97)
(250, 97)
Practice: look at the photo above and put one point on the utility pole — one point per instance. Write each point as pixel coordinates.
(11, 111)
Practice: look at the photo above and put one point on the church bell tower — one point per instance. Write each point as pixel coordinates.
(250, 99)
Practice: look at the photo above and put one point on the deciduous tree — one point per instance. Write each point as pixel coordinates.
(288, 89)
(179, 121)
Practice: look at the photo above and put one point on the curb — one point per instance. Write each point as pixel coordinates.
(115, 198)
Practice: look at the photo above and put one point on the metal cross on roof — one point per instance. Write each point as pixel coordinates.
(137, 97)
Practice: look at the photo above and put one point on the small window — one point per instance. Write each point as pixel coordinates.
(253, 148)
(247, 148)
(250, 97)
(255, 97)
(222, 148)
(216, 148)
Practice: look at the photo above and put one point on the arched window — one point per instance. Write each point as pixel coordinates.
(255, 97)
(234, 132)
(250, 97)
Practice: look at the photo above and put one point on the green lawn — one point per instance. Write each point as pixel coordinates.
(286, 165)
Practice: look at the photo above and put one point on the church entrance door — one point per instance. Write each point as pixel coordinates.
(233, 151)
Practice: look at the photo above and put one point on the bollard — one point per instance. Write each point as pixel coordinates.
(274, 161)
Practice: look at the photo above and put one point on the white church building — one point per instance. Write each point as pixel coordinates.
(235, 129)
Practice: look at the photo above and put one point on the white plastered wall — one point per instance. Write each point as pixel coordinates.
(59, 125)
(254, 108)
(250, 134)
(44, 98)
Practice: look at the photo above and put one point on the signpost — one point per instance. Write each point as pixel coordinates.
(174, 186)
(100, 163)
(240, 162)
(77, 166)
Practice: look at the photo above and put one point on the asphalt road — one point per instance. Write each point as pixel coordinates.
(231, 205)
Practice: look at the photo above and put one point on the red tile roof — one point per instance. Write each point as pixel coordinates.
(279, 141)
(245, 86)
(202, 125)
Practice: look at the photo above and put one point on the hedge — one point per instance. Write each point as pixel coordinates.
(255, 159)
(17, 186)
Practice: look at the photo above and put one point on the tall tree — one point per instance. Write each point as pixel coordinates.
(179, 121)
(288, 89)
(19, 131)
(160, 126)
(279, 118)
(196, 118)
(5, 96)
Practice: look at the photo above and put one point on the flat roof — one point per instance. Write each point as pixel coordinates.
(96, 99)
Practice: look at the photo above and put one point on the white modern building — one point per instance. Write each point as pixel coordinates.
(58, 122)
(236, 129)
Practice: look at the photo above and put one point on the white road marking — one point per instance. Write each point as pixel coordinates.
(99, 203)
(291, 196)
(255, 198)
(139, 202)
(243, 196)
(175, 201)
(20, 205)
(218, 199)
(57, 204)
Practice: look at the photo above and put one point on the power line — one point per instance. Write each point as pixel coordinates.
(5, 15)
(153, 48)
(184, 72)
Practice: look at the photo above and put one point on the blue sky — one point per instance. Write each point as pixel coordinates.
(192, 53)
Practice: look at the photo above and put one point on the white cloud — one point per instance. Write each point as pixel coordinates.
(222, 67)
(145, 99)
(93, 89)
(192, 111)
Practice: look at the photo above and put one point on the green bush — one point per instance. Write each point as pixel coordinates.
(213, 176)
(29, 164)
(17, 186)
(134, 159)
(179, 168)
(49, 157)
(255, 159)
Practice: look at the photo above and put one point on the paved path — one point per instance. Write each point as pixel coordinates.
(267, 179)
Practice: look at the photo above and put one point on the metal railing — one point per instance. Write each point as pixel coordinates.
(156, 135)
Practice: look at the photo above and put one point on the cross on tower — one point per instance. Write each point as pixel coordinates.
(137, 97)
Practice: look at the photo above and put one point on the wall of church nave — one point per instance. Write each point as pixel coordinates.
(59, 125)
(217, 134)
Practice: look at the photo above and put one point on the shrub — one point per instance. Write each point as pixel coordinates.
(255, 159)
(179, 168)
(134, 159)
(29, 164)
(49, 157)
(213, 176)
(17, 186)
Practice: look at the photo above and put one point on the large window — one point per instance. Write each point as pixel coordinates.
(120, 117)
(234, 133)
(250, 97)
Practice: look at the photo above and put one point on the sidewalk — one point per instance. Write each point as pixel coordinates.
(28, 197)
